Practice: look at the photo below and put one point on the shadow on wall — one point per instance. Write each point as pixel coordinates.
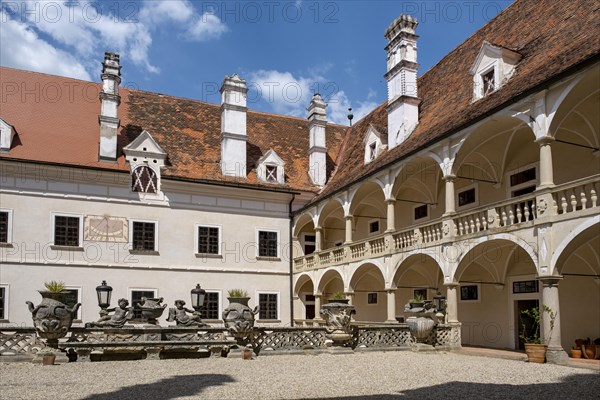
(581, 386)
(166, 389)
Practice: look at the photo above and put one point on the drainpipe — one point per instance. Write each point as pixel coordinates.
(291, 261)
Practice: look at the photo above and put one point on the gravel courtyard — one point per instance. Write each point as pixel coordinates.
(373, 375)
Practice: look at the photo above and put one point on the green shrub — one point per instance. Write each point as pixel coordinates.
(237, 293)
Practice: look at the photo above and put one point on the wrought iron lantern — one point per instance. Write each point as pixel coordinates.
(104, 292)
(198, 295)
(440, 302)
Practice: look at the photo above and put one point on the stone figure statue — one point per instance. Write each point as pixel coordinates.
(120, 316)
(179, 314)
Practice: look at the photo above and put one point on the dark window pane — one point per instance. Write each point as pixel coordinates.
(267, 244)
(421, 211)
(72, 298)
(211, 306)
(66, 231)
(3, 227)
(374, 227)
(469, 292)
(208, 240)
(521, 192)
(466, 197)
(371, 298)
(2, 302)
(522, 177)
(136, 297)
(488, 82)
(143, 236)
(144, 179)
(525, 286)
(271, 173)
(420, 292)
(267, 305)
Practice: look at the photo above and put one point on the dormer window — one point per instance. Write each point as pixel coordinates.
(144, 180)
(271, 173)
(7, 133)
(146, 158)
(493, 67)
(488, 80)
(270, 168)
(375, 142)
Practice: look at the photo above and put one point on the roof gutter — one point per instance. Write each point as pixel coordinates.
(544, 85)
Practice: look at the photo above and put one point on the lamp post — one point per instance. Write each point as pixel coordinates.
(440, 302)
(198, 295)
(103, 292)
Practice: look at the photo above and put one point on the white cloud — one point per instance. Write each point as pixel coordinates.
(207, 27)
(22, 48)
(290, 95)
(77, 30)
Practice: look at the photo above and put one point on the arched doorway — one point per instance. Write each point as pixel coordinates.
(370, 300)
(304, 307)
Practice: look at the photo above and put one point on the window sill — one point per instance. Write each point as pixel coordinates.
(261, 258)
(6, 245)
(66, 248)
(144, 252)
(208, 255)
(4, 321)
(269, 321)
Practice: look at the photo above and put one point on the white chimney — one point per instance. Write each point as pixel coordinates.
(233, 126)
(403, 103)
(110, 100)
(317, 152)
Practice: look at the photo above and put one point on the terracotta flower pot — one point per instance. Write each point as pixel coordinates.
(247, 354)
(575, 353)
(48, 360)
(536, 352)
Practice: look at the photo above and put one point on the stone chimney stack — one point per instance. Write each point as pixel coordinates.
(401, 76)
(317, 152)
(233, 126)
(110, 100)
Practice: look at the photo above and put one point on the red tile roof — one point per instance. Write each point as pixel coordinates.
(57, 122)
(552, 36)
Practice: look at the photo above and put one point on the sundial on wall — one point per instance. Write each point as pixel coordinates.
(100, 228)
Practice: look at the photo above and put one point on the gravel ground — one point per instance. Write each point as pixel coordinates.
(373, 375)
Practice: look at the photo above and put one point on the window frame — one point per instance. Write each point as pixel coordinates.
(305, 242)
(6, 302)
(79, 316)
(219, 294)
(53, 216)
(378, 231)
(197, 227)
(274, 168)
(156, 173)
(266, 292)
(372, 151)
(474, 186)
(425, 218)
(258, 230)
(9, 226)
(511, 189)
(376, 298)
(477, 300)
(130, 239)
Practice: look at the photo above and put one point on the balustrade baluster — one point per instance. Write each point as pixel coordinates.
(563, 202)
(583, 198)
(526, 213)
(519, 214)
(594, 197)
(511, 216)
(573, 202)
(478, 223)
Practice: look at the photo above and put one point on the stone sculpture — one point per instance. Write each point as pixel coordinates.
(337, 317)
(421, 322)
(239, 319)
(120, 316)
(179, 314)
(151, 309)
(52, 318)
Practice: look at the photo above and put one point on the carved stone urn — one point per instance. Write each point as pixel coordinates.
(337, 318)
(420, 328)
(239, 318)
(52, 318)
(151, 309)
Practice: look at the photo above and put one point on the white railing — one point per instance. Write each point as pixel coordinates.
(578, 195)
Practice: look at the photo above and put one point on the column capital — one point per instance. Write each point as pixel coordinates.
(544, 140)
(550, 281)
(318, 228)
(449, 177)
(391, 200)
(452, 285)
(348, 216)
(390, 290)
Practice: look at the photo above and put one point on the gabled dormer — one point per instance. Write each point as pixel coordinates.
(270, 168)
(7, 133)
(146, 158)
(375, 142)
(493, 67)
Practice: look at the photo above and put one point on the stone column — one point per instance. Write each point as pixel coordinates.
(318, 239)
(546, 168)
(551, 329)
(350, 297)
(391, 305)
(391, 215)
(452, 302)
(348, 229)
(450, 202)
(317, 308)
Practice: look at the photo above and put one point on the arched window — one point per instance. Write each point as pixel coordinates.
(144, 180)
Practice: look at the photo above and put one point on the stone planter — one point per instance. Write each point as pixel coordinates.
(337, 318)
(342, 301)
(52, 318)
(239, 318)
(536, 353)
(420, 328)
(48, 359)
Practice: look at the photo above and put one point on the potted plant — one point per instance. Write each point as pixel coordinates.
(48, 358)
(338, 297)
(417, 301)
(54, 290)
(534, 346)
(238, 296)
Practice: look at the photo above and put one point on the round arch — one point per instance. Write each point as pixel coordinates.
(586, 231)
(300, 281)
(327, 277)
(411, 260)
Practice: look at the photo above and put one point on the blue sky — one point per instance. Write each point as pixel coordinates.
(286, 50)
